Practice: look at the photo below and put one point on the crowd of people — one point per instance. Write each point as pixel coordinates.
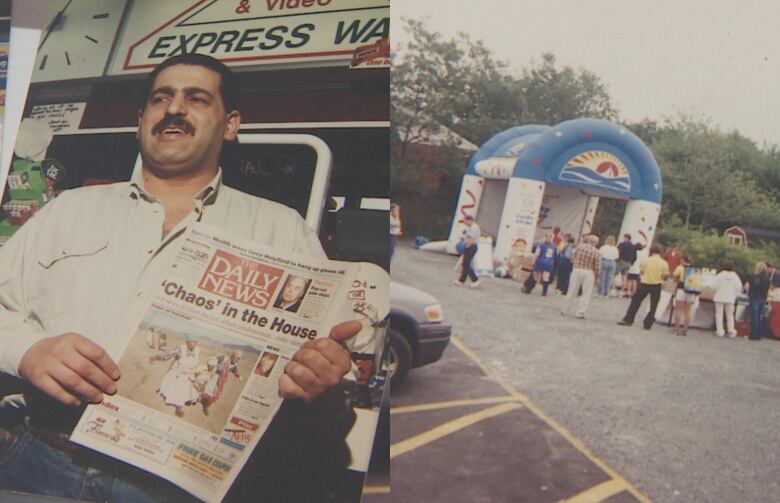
(618, 270)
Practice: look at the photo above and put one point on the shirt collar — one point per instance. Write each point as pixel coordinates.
(205, 197)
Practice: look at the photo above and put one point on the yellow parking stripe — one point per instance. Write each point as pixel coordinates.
(376, 490)
(458, 344)
(574, 441)
(452, 403)
(448, 428)
(598, 493)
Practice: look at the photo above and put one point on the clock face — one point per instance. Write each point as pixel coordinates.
(77, 38)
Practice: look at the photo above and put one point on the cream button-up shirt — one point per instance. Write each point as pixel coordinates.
(87, 260)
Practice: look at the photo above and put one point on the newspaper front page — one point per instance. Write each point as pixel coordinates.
(200, 371)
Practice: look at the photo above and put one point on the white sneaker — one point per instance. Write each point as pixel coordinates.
(580, 315)
(720, 335)
(475, 284)
(732, 336)
(457, 282)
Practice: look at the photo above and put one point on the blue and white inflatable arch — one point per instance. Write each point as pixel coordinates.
(555, 176)
(495, 160)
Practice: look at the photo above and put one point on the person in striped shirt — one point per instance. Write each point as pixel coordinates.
(587, 263)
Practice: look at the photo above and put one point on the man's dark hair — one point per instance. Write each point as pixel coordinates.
(228, 87)
(728, 265)
(627, 236)
(656, 249)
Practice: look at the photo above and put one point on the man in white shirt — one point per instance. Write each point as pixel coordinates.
(728, 286)
(80, 269)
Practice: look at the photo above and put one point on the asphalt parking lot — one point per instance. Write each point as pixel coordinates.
(528, 405)
(458, 435)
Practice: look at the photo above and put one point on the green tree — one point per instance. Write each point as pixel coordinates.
(439, 85)
(550, 95)
(703, 183)
(709, 249)
(460, 84)
(647, 130)
(761, 165)
(455, 83)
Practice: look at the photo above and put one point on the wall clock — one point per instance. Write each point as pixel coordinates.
(77, 38)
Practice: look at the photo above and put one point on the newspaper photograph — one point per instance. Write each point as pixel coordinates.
(369, 296)
(200, 371)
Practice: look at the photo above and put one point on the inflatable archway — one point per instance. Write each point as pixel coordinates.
(526, 180)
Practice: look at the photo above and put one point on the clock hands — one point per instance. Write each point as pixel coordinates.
(53, 24)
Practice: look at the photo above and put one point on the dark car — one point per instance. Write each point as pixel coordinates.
(417, 333)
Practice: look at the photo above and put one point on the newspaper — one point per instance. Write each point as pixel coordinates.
(201, 367)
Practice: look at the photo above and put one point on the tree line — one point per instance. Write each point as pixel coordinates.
(712, 178)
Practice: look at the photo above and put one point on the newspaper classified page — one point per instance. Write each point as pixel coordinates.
(200, 371)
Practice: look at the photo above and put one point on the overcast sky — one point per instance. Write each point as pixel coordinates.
(714, 59)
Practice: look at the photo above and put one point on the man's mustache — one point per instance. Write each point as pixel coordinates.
(173, 121)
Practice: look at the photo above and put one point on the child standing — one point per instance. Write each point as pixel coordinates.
(632, 278)
(544, 265)
(683, 300)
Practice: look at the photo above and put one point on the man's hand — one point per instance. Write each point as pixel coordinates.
(69, 368)
(319, 364)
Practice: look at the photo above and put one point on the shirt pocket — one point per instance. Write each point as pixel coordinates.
(70, 253)
(67, 278)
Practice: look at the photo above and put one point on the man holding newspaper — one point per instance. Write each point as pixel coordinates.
(74, 276)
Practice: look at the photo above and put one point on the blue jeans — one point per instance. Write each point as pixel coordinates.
(756, 318)
(468, 269)
(606, 274)
(30, 465)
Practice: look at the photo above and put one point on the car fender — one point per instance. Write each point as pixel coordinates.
(405, 323)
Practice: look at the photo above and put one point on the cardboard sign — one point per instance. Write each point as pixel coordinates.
(692, 279)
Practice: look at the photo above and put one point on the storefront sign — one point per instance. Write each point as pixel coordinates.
(254, 31)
